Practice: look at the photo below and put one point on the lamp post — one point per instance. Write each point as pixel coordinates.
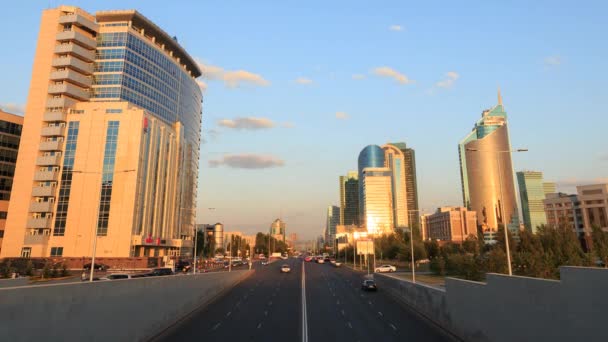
(502, 212)
(195, 233)
(96, 217)
(409, 217)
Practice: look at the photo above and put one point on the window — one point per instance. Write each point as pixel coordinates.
(3, 215)
(56, 251)
(113, 111)
(26, 252)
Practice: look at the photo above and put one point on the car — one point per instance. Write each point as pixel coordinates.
(163, 271)
(98, 267)
(320, 261)
(285, 268)
(386, 268)
(117, 276)
(264, 263)
(326, 259)
(308, 259)
(183, 266)
(337, 264)
(369, 285)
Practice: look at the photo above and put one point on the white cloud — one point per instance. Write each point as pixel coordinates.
(231, 78)
(303, 80)
(449, 80)
(342, 115)
(395, 28)
(358, 76)
(385, 71)
(247, 161)
(553, 61)
(13, 108)
(250, 123)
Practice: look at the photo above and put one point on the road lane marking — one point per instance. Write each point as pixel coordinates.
(229, 313)
(380, 313)
(342, 312)
(350, 325)
(369, 302)
(265, 312)
(392, 326)
(338, 302)
(270, 303)
(216, 326)
(304, 314)
(259, 325)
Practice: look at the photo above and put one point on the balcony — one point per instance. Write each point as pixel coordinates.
(46, 176)
(53, 131)
(41, 207)
(49, 160)
(43, 191)
(75, 36)
(63, 102)
(72, 76)
(54, 116)
(43, 222)
(36, 239)
(51, 145)
(74, 64)
(79, 20)
(76, 50)
(70, 90)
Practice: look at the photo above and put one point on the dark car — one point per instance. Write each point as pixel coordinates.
(160, 272)
(98, 267)
(369, 285)
(183, 266)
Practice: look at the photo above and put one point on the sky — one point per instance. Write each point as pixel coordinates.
(294, 90)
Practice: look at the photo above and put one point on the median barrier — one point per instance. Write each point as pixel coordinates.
(118, 310)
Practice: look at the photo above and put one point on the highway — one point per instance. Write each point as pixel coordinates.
(329, 305)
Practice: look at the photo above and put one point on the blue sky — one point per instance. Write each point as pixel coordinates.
(548, 57)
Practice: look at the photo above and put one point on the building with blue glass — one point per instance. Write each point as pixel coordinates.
(113, 119)
(370, 156)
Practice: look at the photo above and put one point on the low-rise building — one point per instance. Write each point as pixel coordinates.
(449, 224)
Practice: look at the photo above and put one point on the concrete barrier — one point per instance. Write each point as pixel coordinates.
(119, 310)
(513, 308)
(14, 282)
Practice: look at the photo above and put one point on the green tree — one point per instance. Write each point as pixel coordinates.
(432, 249)
(471, 245)
(600, 244)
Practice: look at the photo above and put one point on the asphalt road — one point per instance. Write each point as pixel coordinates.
(268, 306)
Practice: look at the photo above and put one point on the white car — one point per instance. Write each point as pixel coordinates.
(285, 269)
(320, 261)
(386, 268)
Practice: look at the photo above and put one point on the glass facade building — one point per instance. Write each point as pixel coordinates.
(370, 156)
(349, 199)
(378, 200)
(411, 182)
(395, 161)
(10, 137)
(532, 194)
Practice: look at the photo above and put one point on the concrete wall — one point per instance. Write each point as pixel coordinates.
(120, 310)
(514, 308)
(14, 282)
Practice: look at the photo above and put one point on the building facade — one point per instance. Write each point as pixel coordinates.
(486, 171)
(112, 126)
(278, 229)
(332, 221)
(349, 199)
(565, 209)
(395, 161)
(370, 156)
(532, 192)
(378, 212)
(453, 224)
(411, 182)
(594, 205)
(10, 135)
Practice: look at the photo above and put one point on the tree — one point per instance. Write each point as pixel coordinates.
(432, 249)
(471, 245)
(600, 244)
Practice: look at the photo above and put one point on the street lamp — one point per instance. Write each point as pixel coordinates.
(96, 218)
(195, 233)
(502, 212)
(409, 217)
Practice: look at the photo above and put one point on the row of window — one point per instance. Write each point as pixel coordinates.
(66, 179)
(107, 177)
(10, 127)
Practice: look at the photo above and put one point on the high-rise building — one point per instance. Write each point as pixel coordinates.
(594, 205)
(277, 229)
(564, 209)
(411, 182)
(10, 135)
(487, 172)
(549, 188)
(378, 214)
(395, 161)
(370, 156)
(349, 199)
(532, 192)
(112, 126)
(333, 220)
(453, 224)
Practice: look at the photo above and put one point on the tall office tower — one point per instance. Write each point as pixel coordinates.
(277, 229)
(411, 182)
(532, 194)
(333, 220)
(349, 199)
(549, 188)
(378, 200)
(395, 161)
(10, 134)
(111, 141)
(487, 172)
(370, 156)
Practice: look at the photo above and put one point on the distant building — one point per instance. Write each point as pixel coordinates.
(378, 212)
(532, 191)
(277, 230)
(549, 188)
(564, 209)
(486, 171)
(594, 205)
(370, 156)
(453, 224)
(411, 182)
(395, 161)
(292, 240)
(333, 220)
(10, 135)
(349, 199)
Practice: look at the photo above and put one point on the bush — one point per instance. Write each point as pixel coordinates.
(64, 270)
(438, 266)
(29, 269)
(46, 271)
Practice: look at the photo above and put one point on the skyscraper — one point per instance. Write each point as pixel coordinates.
(370, 156)
(395, 161)
(349, 199)
(532, 194)
(378, 200)
(411, 182)
(486, 171)
(333, 220)
(112, 123)
(277, 229)
(10, 135)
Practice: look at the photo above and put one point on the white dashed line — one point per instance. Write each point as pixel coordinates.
(338, 302)
(229, 313)
(380, 313)
(342, 312)
(216, 326)
(350, 325)
(259, 325)
(394, 327)
(369, 302)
